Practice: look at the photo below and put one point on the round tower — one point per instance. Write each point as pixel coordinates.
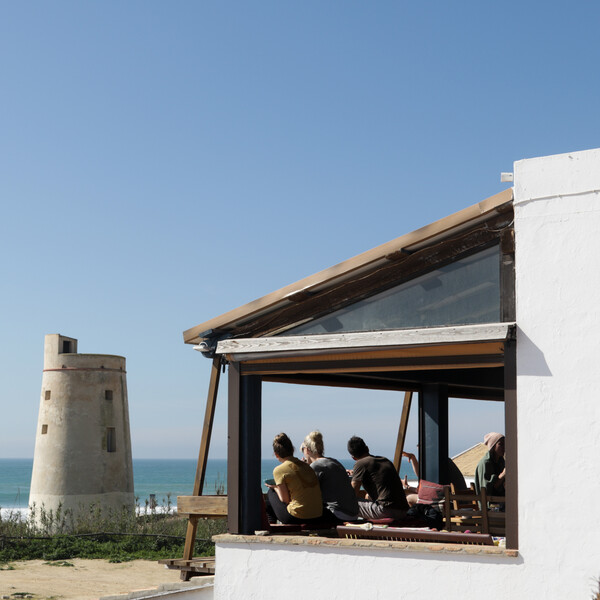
(82, 446)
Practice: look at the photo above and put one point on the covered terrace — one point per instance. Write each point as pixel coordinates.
(431, 312)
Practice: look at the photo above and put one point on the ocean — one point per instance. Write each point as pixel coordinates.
(162, 477)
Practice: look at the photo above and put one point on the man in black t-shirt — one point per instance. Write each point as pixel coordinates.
(385, 495)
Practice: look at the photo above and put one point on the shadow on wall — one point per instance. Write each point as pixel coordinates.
(536, 364)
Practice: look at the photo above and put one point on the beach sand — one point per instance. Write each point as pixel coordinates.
(85, 580)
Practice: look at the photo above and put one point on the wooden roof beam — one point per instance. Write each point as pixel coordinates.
(254, 348)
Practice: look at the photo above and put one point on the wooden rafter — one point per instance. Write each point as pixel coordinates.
(402, 429)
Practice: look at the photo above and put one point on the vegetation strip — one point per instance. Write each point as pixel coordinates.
(115, 536)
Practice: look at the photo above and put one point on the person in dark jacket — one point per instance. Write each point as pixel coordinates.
(491, 470)
(383, 495)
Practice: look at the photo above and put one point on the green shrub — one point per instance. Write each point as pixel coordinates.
(93, 533)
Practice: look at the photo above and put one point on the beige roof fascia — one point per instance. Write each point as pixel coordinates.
(352, 267)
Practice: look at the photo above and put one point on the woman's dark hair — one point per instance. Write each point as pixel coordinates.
(282, 446)
(357, 446)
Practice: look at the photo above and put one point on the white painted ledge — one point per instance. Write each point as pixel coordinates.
(336, 544)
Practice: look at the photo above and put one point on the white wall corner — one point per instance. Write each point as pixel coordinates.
(557, 283)
(559, 175)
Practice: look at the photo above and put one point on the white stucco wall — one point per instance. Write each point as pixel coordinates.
(263, 572)
(557, 233)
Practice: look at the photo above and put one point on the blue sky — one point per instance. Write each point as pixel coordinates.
(162, 163)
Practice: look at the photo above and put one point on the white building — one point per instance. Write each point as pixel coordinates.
(498, 302)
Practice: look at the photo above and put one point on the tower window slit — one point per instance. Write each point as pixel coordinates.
(111, 441)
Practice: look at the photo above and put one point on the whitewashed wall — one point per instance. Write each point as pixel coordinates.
(557, 229)
(254, 572)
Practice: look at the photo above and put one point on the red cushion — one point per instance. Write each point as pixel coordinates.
(429, 492)
(382, 521)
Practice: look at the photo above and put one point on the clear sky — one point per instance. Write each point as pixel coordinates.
(164, 162)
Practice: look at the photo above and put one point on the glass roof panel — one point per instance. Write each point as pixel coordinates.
(462, 293)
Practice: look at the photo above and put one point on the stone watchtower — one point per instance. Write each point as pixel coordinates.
(82, 446)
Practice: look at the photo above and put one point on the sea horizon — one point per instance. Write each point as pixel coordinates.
(165, 478)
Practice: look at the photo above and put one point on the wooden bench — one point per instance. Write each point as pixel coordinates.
(195, 567)
(202, 506)
(194, 508)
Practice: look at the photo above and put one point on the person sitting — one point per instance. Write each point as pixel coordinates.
(338, 496)
(384, 496)
(491, 471)
(296, 495)
(456, 478)
(412, 493)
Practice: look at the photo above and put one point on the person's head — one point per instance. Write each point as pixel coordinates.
(357, 447)
(313, 445)
(495, 443)
(282, 446)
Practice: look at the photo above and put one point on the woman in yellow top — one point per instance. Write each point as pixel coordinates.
(296, 495)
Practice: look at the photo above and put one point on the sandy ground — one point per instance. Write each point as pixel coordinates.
(85, 580)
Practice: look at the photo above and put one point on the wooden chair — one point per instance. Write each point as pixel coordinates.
(463, 498)
(496, 517)
(467, 511)
(462, 511)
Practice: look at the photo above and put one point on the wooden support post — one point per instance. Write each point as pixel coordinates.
(507, 276)
(402, 430)
(209, 415)
(433, 433)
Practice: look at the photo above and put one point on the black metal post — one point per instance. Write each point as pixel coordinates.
(250, 455)
(433, 433)
(511, 429)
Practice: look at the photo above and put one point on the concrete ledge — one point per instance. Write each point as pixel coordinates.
(202, 588)
(343, 543)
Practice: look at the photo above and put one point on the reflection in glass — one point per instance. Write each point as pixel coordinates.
(464, 292)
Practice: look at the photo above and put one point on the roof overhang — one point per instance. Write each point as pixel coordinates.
(236, 322)
(469, 359)
(281, 347)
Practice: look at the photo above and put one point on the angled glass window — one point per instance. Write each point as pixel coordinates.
(464, 292)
